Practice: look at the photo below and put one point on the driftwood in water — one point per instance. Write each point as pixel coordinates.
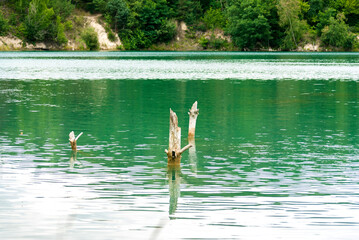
(174, 148)
(193, 113)
(73, 140)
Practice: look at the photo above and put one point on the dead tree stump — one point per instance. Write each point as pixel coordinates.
(174, 148)
(193, 113)
(73, 140)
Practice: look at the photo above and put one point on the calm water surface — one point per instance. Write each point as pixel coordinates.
(276, 154)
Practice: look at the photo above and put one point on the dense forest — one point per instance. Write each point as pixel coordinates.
(140, 24)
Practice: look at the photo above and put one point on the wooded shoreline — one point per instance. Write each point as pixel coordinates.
(177, 25)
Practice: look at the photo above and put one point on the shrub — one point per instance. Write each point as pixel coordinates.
(4, 25)
(63, 8)
(40, 23)
(204, 42)
(111, 36)
(60, 37)
(167, 31)
(90, 38)
(214, 18)
(119, 13)
(218, 43)
(189, 11)
(337, 34)
(248, 24)
(68, 25)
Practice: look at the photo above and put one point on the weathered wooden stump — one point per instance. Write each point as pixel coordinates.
(73, 140)
(174, 148)
(193, 113)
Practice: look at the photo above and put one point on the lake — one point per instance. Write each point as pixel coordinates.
(276, 151)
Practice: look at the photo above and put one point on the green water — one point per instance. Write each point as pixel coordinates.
(276, 154)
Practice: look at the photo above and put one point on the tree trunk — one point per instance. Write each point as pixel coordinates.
(193, 113)
(174, 148)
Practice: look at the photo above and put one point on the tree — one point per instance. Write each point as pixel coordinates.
(189, 11)
(323, 19)
(351, 11)
(62, 8)
(4, 25)
(248, 24)
(214, 18)
(91, 39)
(315, 7)
(336, 34)
(148, 23)
(40, 22)
(289, 11)
(119, 13)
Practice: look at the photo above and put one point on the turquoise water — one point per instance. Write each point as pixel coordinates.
(276, 153)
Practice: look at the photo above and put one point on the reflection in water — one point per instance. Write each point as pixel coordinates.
(192, 154)
(73, 159)
(275, 157)
(174, 183)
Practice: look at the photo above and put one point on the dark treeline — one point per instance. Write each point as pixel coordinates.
(251, 24)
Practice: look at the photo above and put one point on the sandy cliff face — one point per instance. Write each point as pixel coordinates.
(13, 43)
(10, 43)
(105, 43)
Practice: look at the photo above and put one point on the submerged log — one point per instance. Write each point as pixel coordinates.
(193, 113)
(174, 148)
(73, 140)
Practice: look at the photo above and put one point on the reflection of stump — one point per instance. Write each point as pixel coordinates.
(193, 113)
(73, 159)
(174, 148)
(192, 155)
(73, 140)
(174, 183)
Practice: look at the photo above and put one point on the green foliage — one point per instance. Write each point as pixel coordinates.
(316, 6)
(110, 35)
(118, 12)
(133, 39)
(217, 43)
(60, 36)
(189, 11)
(248, 24)
(89, 36)
(350, 6)
(62, 8)
(148, 23)
(213, 42)
(252, 24)
(203, 42)
(336, 34)
(68, 25)
(40, 22)
(4, 25)
(289, 12)
(167, 31)
(323, 19)
(214, 18)
(100, 5)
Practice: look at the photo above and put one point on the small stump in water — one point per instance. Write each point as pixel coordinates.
(175, 151)
(73, 140)
(193, 113)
